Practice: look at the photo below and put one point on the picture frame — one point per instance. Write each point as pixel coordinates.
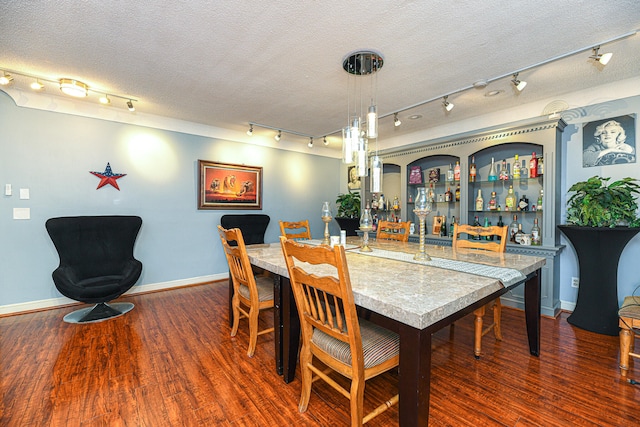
(609, 141)
(354, 182)
(437, 225)
(229, 186)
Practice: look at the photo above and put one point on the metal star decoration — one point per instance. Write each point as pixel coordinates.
(108, 177)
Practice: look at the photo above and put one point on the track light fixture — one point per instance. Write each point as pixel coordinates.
(5, 79)
(396, 120)
(602, 58)
(324, 141)
(250, 131)
(104, 99)
(37, 85)
(74, 88)
(310, 144)
(278, 136)
(519, 84)
(130, 106)
(446, 104)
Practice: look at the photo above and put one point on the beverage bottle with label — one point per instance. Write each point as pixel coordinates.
(458, 193)
(540, 166)
(479, 201)
(432, 194)
(493, 202)
(517, 238)
(504, 173)
(524, 172)
(493, 176)
(381, 202)
(510, 201)
(513, 228)
(536, 239)
(523, 204)
(456, 171)
(450, 173)
(500, 224)
(453, 221)
(486, 224)
(533, 166)
(448, 195)
(443, 227)
(476, 223)
(472, 169)
(396, 203)
(516, 168)
(539, 202)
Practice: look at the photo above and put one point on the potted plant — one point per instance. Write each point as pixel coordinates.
(601, 220)
(348, 216)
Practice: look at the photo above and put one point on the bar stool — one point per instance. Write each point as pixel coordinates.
(629, 315)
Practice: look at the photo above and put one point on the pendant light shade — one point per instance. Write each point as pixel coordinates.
(372, 123)
(375, 182)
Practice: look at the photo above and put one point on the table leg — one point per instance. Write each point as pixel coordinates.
(277, 321)
(414, 376)
(290, 331)
(532, 312)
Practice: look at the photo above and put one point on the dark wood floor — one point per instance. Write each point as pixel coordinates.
(171, 362)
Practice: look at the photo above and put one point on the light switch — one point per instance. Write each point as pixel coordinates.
(21, 213)
(24, 194)
(7, 189)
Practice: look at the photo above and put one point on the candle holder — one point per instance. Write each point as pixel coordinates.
(422, 209)
(326, 218)
(366, 225)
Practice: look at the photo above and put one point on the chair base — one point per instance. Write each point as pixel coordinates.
(98, 312)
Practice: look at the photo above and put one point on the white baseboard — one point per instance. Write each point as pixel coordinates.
(151, 287)
(567, 305)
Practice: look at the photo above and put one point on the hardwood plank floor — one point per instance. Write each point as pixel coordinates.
(171, 362)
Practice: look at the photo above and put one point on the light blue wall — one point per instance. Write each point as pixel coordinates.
(572, 171)
(51, 154)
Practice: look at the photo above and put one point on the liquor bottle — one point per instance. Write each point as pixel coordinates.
(443, 227)
(540, 166)
(374, 203)
(432, 194)
(453, 221)
(410, 198)
(458, 193)
(500, 224)
(381, 202)
(493, 176)
(450, 173)
(513, 228)
(448, 195)
(504, 173)
(456, 171)
(396, 203)
(479, 201)
(536, 239)
(476, 223)
(533, 166)
(510, 201)
(472, 169)
(516, 168)
(493, 202)
(486, 224)
(539, 202)
(524, 172)
(523, 204)
(517, 238)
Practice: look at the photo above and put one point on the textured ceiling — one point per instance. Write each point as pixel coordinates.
(228, 63)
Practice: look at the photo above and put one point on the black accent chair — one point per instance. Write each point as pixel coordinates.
(96, 262)
(253, 227)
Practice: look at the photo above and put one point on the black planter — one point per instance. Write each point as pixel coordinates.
(598, 249)
(350, 225)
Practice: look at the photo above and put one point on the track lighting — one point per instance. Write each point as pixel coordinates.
(310, 144)
(602, 58)
(278, 136)
(250, 131)
(519, 84)
(447, 105)
(396, 120)
(37, 85)
(324, 141)
(104, 99)
(74, 88)
(5, 79)
(130, 106)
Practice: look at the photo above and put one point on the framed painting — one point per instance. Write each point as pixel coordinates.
(609, 141)
(229, 186)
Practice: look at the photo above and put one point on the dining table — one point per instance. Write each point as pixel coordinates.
(413, 298)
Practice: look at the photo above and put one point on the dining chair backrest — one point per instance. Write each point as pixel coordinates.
(239, 264)
(499, 234)
(393, 230)
(295, 229)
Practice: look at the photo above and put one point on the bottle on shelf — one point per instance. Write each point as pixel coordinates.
(396, 203)
(487, 223)
(493, 176)
(381, 202)
(374, 203)
(517, 238)
(453, 221)
(516, 168)
(410, 198)
(504, 173)
(476, 223)
(533, 166)
(473, 170)
(456, 171)
(523, 204)
(458, 193)
(450, 173)
(536, 239)
(479, 201)
(500, 224)
(493, 202)
(432, 193)
(443, 227)
(510, 200)
(448, 195)
(513, 228)
(524, 171)
(540, 166)
(539, 202)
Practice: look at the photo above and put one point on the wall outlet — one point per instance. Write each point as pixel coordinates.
(575, 282)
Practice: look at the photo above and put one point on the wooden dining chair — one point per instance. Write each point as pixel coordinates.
(629, 316)
(393, 230)
(499, 244)
(251, 293)
(331, 330)
(295, 229)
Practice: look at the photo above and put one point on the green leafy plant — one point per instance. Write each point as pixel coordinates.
(348, 205)
(596, 204)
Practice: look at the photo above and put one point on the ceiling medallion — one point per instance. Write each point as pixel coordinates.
(362, 63)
